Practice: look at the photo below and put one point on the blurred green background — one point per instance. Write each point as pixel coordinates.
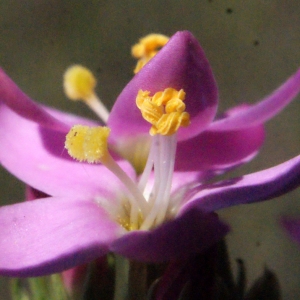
(252, 45)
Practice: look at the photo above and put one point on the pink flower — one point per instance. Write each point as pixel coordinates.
(81, 219)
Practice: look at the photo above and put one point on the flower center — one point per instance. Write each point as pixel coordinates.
(148, 203)
(90, 144)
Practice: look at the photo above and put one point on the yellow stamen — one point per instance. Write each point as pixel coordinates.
(147, 48)
(168, 124)
(148, 44)
(165, 110)
(141, 62)
(88, 143)
(79, 83)
(151, 112)
(124, 219)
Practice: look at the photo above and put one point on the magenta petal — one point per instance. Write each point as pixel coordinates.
(192, 232)
(37, 156)
(13, 97)
(214, 151)
(180, 64)
(263, 110)
(183, 180)
(255, 187)
(292, 226)
(51, 235)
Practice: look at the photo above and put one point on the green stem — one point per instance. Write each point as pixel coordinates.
(131, 279)
(121, 278)
(137, 280)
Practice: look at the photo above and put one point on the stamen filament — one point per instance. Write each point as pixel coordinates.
(137, 201)
(163, 167)
(97, 106)
(171, 150)
(147, 170)
(157, 170)
(149, 220)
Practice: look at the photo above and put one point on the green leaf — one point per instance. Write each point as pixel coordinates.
(38, 288)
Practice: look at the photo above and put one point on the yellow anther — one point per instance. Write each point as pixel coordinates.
(175, 105)
(148, 44)
(141, 97)
(88, 143)
(141, 62)
(147, 47)
(168, 124)
(169, 94)
(150, 111)
(79, 83)
(165, 110)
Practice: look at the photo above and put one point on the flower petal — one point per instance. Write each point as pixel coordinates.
(36, 155)
(180, 64)
(292, 226)
(13, 97)
(51, 235)
(263, 110)
(255, 187)
(193, 231)
(218, 151)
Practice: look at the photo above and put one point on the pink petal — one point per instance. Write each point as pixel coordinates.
(184, 178)
(219, 151)
(13, 97)
(263, 110)
(180, 64)
(37, 156)
(192, 232)
(51, 235)
(255, 187)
